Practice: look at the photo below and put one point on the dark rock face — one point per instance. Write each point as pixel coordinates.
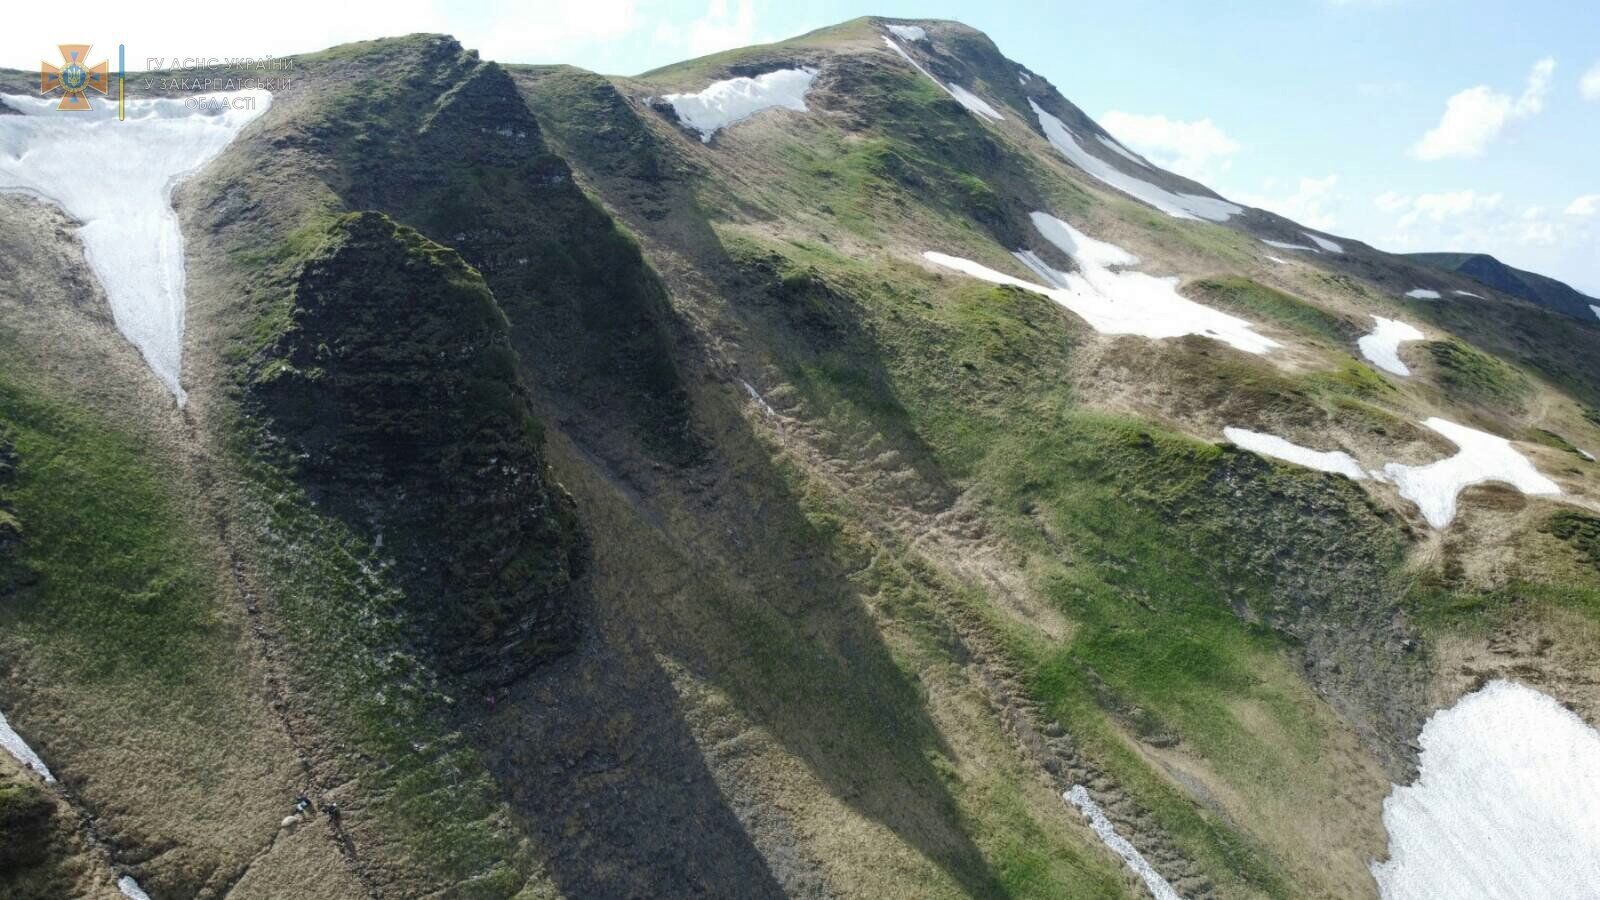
(395, 390)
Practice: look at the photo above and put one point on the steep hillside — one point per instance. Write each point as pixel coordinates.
(834, 468)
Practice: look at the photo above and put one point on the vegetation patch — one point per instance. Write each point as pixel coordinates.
(1471, 376)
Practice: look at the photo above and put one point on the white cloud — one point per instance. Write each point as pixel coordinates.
(717, 30)
(1313, 203)
(1476, 116)
(1586, 205)
(538, 32)
(1436, 208)
(1589, 85)
(1199, 149)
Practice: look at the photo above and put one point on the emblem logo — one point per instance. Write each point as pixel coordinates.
(76, 78)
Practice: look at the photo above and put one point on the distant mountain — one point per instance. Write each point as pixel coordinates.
(1530, 286)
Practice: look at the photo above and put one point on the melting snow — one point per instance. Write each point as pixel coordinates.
(1482, 457)
(1336, 461)
(131, 889)
(1586, 455)
(1284, 246)
(974, 104)
(1182, 206)
(760, 400)
(1110, 300)
(1281, 262)
(1596, 310)
(1119, 845)
(1382, 346)
(117, 179)
(1323, 242)
(908, 32)
(1466, 294)
(19, 750)
(1122, 151)
(1422, 294)
(736, 99)
(1506, 804)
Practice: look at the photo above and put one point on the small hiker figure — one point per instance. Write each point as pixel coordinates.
(332, 809)
(301, 804)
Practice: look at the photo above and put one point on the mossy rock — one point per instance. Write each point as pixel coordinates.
(395, 392)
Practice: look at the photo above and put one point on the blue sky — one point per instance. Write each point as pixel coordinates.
(1331, 111)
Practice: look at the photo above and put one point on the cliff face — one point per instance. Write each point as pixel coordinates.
(396, 394)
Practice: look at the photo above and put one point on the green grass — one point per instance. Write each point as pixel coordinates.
(1471, 376)
(1242, 296)
(1153, 539)
(115, 583)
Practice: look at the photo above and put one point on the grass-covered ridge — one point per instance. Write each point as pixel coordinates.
(395, 387)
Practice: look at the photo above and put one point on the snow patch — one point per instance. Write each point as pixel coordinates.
(1506, 803)
(1023, 78)
(1382, 346)
(1281, 262)
(908, 32)
(1481, 457)
(974, 104)
(1586, 455)
(760, 400)
(1336, 461)
(1158, 886)
(1181, 206)
(131, 889)
(1286, 246)
(736, 99)
(1112, 301)
(1323, 242)
(1422, 294)
(21, 752)
(1467, 294)
(1595, 309)
(117, 179)
(1122, 151)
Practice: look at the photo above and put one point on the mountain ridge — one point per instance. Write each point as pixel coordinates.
(868, 564)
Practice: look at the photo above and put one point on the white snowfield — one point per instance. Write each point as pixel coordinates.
(1281, 245)
(1110, 300)
(117, 179)
(736, 99)
(974, 104)
(1158, 886)
(1382, 346)
(1481, 457)
(1595, 310)
(1506, 804)
(1122, 151)
(908, 32)
(131, 889)
(1422, 294)
(1336, 461)
(1181, 206)
(21, 752)
(1324, 243)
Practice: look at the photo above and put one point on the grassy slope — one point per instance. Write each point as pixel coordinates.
(969, 383)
